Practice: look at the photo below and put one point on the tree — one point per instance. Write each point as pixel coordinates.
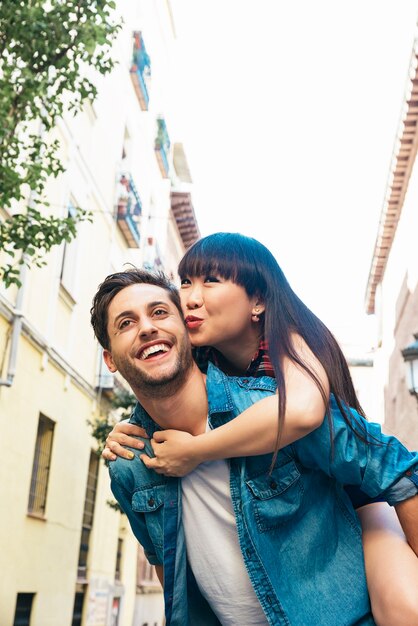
(49, 49)
(122, 403)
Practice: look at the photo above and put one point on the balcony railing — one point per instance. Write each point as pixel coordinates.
(162, 147)
(129, 209)
(140, 71)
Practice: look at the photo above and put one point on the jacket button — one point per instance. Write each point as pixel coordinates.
(273, 484)
(151, 502)
(408, 473)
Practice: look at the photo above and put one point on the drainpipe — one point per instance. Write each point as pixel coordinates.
(16, 331)
(18, 313)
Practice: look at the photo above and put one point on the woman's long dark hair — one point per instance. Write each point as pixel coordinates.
(248, 263)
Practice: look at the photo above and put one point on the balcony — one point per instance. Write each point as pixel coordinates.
(184, 215)
(162, 147)
(129, 209)
(140, 71)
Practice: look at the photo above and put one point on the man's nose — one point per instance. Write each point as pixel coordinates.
(147, 327)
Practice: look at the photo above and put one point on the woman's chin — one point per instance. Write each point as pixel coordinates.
(197, 342)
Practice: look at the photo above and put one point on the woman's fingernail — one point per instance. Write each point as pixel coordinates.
(131, 455)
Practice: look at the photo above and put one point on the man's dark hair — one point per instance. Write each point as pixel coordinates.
(114, 283)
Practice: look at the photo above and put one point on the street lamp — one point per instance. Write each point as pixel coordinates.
(410, 355)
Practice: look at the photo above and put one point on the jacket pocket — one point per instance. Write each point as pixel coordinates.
(276, 497)
(150, 502)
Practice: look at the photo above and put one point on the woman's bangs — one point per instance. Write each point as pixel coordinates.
(197, 263)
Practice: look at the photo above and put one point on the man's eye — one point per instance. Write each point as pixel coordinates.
(160, 312)
(124, 324)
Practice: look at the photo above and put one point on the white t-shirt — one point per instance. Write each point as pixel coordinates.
(213, 549)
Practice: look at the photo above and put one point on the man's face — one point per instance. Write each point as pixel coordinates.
(149, 344)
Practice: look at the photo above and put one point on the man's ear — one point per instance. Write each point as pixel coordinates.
(108, 359)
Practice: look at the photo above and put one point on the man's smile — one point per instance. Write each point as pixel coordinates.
(154, 349)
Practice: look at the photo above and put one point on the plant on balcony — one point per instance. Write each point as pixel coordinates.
(141, 60)
(141, 70)
(124, 191)
(162, 140)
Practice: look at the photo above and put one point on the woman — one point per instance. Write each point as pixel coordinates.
(271, 332)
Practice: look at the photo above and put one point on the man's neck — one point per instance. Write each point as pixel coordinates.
(185, 410)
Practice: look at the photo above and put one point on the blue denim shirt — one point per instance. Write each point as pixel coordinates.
(299, 535)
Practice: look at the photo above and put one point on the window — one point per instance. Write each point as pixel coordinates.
(69, 257)
(41, 465)
(78, 609)
(88, 514)
(118, 559)
(23, 609)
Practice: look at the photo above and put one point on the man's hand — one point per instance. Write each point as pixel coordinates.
(408, 516)
(174, 453)
(123, 434)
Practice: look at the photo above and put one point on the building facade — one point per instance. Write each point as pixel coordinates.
(392, 290)
(68, 558)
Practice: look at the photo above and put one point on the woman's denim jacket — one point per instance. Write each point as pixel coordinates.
(299, 535)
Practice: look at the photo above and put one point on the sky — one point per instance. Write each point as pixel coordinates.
(288, 114)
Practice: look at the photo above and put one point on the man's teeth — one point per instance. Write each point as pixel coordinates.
(158, 347)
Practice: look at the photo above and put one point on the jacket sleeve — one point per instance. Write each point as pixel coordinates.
(360, 455)
(137, 520)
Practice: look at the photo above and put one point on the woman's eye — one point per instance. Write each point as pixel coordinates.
(212, 279)
(185, 282)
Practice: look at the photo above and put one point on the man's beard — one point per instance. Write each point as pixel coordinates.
(163, 386)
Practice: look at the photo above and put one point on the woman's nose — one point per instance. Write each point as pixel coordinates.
(194, 299)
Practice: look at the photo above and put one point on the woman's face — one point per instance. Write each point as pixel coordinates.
(218, 312)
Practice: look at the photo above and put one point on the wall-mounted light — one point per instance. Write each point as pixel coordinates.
(410, 355)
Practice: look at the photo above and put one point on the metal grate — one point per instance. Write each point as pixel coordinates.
(41, 465)
(78, 608)
(88, 514)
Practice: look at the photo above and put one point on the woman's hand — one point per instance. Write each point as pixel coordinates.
(123, 434)
(174, 453)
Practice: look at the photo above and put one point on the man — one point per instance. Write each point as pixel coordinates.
(239, 544)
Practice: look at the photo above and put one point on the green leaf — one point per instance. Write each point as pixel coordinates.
(48, 51)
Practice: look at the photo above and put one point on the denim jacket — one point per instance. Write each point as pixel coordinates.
(299, 535)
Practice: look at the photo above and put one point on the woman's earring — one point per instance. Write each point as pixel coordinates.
(255, 317)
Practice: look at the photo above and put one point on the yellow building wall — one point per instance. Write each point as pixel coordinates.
(58, 357)
(42, 554)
